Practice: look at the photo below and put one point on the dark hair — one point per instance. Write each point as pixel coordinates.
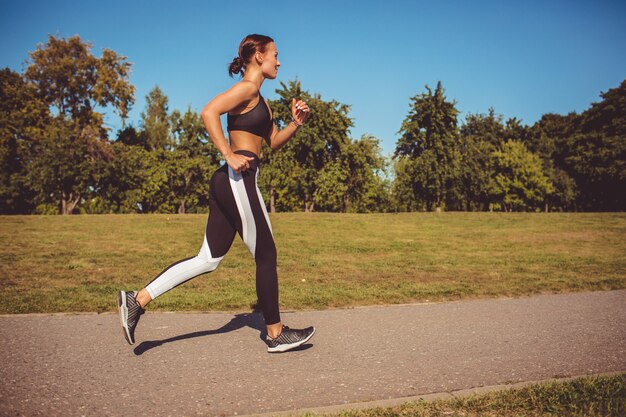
(250, 45)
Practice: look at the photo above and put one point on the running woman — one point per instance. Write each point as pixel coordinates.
(235, 202)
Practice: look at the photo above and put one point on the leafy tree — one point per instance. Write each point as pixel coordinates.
(486, 127)
(130, 136)
(23, 117)
(127, 180)
(549, 138)
(313, 150)
(278, 180)
(64, 166)
(73, 83)
(597, 153)
(156, 124)
(515, 130)
(565, 192)
(585, 154)
(167, 165)
(191, 163)
(331, 187)
(598, 165)
(550, 135)
(520, 183)
(402, 193)
(477, 172)
(428, 140)
(352, 182)
(607, 116)
(71, 80)
(365, 189)
(322, 168)
(480, 136)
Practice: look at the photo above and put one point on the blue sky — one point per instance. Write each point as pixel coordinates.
(523, 58)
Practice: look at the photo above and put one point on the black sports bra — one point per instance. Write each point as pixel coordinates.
(256, 121)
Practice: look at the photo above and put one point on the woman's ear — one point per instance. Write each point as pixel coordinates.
(259, 57)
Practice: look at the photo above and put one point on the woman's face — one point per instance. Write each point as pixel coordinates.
(270, 63)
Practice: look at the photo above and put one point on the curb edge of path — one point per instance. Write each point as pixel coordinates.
(340, 308)
(392, 402)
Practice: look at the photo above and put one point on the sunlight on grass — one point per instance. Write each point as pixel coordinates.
(76, 263)
(584, 397)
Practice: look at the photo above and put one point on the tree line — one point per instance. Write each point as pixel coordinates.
(57, 155)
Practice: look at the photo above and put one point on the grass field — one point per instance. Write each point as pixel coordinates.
(584, 397)
(77, 263)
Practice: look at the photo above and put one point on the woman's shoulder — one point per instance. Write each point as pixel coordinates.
(245, 88)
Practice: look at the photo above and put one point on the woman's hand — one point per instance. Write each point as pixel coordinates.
(238, 162)
(299, 111)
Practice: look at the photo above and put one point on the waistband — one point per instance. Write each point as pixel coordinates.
(248, 153)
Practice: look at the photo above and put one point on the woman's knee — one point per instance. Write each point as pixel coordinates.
(210, 264)
(266, 255)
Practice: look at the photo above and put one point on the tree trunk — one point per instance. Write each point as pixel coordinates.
(68, 203)
(272, 200)
(181, 207)
(346, 203)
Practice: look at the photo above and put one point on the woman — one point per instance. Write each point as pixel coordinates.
(235, 202)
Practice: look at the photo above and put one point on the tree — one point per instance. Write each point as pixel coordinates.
(403, 192)
(70, 79)
(190, 163)
(23, 117)
(480, 136)
(64, 166)
(597, 153)
(166, 166)
(352, 182)
(520, 183)
(428, 141)
(295, 169)
(365, 189)
(585, 154)
(477, 172)
(73, 83)
(598, 165)
(486, 127)
(126, 180)
(156, 126)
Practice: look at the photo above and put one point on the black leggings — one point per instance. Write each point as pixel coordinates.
(235, 205)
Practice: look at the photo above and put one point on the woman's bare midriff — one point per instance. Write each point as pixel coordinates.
(241, 140)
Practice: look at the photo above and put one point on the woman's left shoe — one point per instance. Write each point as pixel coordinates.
(130, 312)
(289, 339)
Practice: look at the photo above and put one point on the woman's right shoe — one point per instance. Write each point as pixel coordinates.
(130, 312)
(289, 339)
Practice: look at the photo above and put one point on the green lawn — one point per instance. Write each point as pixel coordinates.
(584, 397)
(77, 263)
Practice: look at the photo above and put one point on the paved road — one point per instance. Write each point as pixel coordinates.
(216, 364)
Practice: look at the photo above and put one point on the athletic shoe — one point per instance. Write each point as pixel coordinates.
(130, 312)
(289, 339)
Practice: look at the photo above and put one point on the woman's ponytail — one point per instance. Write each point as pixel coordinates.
(250, 45)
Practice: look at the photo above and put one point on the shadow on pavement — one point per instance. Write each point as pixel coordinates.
(253, 320)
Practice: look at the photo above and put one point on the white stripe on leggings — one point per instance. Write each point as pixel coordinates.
(245, 210)
(184, 271)
(267, 217)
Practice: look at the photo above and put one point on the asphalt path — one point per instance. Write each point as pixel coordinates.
(207, 364)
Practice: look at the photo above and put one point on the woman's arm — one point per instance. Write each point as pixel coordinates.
(234, 97)
(299, 113)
